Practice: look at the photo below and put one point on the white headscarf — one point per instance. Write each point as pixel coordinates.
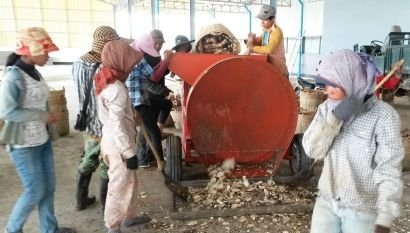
(353, 72)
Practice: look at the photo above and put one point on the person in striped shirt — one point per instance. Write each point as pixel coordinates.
(83, 70)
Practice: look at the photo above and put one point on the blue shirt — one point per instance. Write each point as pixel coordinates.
(138, 82)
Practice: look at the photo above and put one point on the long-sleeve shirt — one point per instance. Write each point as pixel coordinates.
(82, 73)
(271, 43)
(138, 82)
(116, 113)
(362, 168)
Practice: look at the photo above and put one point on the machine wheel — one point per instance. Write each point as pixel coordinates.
(174, 157)
(300, 161)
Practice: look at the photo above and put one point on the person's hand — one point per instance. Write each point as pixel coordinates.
(167, 55)
(247, 52)
(132, 163)
(347, 108)
(250, 43)
(51, 118)
(251, 35)
(381, 229)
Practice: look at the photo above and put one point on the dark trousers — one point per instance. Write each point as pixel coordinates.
(161, 107)
(149, 124)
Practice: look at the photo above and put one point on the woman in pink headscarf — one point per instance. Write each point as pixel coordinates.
(118, 145)
(358, 137)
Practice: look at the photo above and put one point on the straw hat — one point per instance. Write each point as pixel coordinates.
(102, 35)
(34, 41)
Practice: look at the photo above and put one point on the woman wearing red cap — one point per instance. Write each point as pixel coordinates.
(28, 130)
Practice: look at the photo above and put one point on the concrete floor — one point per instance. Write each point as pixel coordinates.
(159, 201)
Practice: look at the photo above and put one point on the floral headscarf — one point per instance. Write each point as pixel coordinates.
(34, 41)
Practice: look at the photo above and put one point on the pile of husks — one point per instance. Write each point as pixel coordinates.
(227, 193)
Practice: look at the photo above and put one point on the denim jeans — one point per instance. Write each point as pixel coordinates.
(329, 217)
(35, 166)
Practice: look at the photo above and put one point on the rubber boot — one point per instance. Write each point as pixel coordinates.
(103, 192)
(82, 198)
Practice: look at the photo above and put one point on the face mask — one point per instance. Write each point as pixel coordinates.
(152, 61)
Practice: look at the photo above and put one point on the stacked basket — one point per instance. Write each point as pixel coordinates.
(309, 100)
(58, 106)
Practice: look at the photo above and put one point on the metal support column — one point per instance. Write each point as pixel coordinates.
(250, 16)
(302, 9)
(114, 14)
(129, 8)
(155, 13)
(67, 25)
(192, 19)
(274, 3)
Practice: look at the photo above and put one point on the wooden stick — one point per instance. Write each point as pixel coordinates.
(269, 209)
(390, 74)
(160, 163)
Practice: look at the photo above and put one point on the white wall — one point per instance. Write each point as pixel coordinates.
(347, 22)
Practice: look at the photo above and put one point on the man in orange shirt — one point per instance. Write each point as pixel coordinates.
(271, 41)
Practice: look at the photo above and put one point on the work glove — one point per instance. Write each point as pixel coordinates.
(347, 108)
(132, 163)
(381, 229)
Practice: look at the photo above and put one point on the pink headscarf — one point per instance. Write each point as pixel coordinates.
(118, 61)
(350, 71)
(145, 43)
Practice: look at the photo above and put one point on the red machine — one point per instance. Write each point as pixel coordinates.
(233, 106)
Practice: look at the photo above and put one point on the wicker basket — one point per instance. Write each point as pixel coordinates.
(58, 106)
(309, 100)
(304, 120)
(177, 118)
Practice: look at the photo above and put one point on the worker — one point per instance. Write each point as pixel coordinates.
(118, 147)
(182, 44)
(271, 41)
(141, 84)
(28, 130)
(216, 39)
(358, 137)
(83, 72)
(160, 104)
